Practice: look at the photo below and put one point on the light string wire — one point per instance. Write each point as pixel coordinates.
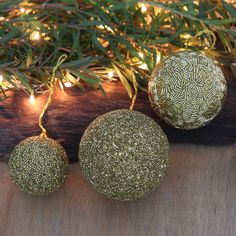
(53, 82)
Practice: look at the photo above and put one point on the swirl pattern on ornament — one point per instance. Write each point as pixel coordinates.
(187, 89)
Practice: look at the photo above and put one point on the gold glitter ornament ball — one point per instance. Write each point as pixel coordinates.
(38, 165)
(124, 154)
(187, 90)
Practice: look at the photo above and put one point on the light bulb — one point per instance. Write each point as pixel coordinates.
(68, 84)
(32, 99)
(143, 8)
(22, 10)
(35, 35)
(1, 78)
(110, 74)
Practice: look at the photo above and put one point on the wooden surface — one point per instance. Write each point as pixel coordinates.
(197, 198)
(72, 111)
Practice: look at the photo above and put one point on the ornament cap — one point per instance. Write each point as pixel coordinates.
(43, 135)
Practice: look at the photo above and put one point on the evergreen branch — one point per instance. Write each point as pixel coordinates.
(107, 36)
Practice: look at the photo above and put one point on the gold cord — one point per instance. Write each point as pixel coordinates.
(53, 81)
(135, 84)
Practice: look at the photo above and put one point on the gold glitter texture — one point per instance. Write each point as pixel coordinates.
(187, 90)
(38, 165)
(124, 154)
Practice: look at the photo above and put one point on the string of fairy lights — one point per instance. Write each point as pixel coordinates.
(37, 36)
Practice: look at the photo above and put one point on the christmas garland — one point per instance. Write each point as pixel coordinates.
(105, 40)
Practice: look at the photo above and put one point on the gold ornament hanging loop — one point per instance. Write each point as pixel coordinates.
(53, 82)
(135, 85)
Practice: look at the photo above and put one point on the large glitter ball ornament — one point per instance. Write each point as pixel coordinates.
(187, 89)
(38, 165)
(124, 154)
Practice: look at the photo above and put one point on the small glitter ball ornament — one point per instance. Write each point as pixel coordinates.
(187, 90)
(124, 154)
(38, 165)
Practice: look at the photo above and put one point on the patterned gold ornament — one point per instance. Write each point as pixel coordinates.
(38, 165)
(187, 89)
(124, 154)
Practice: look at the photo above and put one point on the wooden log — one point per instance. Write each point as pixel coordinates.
(72, 111)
